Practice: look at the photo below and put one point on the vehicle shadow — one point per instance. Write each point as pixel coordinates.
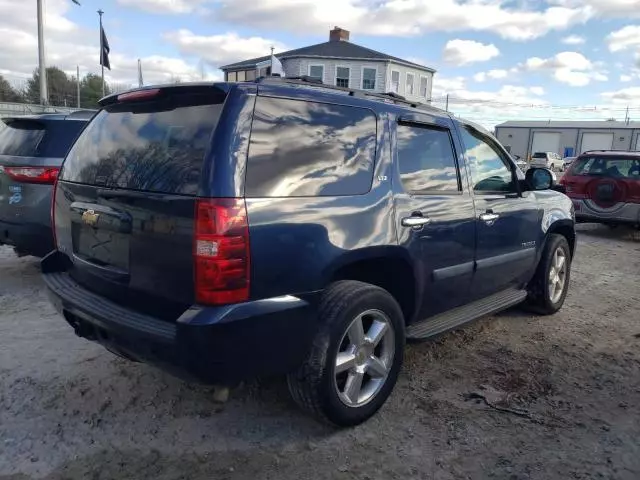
(621, 232)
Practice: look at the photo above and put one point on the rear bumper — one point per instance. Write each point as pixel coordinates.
(208, 344)
(588, 211)
(29, 238)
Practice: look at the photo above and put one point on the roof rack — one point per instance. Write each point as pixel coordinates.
(389, 97)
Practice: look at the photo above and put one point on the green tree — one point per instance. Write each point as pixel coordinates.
(91, 90)
(61, 88)
(7, 92)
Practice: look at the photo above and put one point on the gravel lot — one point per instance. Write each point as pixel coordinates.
(562, 398)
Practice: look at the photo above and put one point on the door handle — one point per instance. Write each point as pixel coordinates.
(415, 222)
(489, 217)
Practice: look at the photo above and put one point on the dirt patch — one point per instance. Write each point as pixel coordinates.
(70, 410)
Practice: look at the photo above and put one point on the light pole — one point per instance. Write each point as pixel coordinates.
(42, 67)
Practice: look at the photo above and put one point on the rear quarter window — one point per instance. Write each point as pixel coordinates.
(303, 149)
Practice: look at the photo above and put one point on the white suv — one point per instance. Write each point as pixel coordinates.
(546, 160)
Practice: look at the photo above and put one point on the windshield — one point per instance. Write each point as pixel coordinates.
(614, 167)
(539, 155)
(156, 146)
(21, 138)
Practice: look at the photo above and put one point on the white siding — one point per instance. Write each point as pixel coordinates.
(300, 66)
(417, 74)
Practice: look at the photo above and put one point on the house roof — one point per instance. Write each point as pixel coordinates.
(331, 49)
(602, 124)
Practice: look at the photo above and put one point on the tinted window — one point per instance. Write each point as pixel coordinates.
(489, 173)
(539, 155)
(303, 149)
(21, 138)
(426, 159)
(154, 146)
(60, 137)
(614, 167)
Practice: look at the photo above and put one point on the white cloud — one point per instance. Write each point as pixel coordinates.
(571, 68)
(609, 8)
(626, 78)
(537, 90)
(403, 17)
(623, 96)
(164, 6)
(574, 40)
(221, 49)
(463, 52)
(495, 74)
(626, 37)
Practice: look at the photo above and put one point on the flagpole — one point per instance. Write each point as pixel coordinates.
(44, 97)
(100, 12)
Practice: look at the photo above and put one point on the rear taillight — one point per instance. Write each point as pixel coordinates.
(221, 251)
(53, 214)
(43, 175)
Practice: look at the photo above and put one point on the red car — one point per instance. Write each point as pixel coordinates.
(605, 187)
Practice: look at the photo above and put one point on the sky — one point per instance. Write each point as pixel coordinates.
(496, 59)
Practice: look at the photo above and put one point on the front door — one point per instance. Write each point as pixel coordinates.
(434, 214)
(508, 222)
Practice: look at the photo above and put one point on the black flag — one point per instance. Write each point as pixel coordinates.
(104, 54)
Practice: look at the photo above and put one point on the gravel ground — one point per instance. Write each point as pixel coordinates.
(562, 398)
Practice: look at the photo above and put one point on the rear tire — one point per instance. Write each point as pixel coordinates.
(548, 288)
(356, 355)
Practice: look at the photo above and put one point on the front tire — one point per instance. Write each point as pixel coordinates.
(548, 288)
(356, 355)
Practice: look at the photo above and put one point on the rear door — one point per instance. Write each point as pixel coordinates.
(124, 207)
(434, 213)
(508, 223)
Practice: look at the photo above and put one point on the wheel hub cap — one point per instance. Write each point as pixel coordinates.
(364, 358)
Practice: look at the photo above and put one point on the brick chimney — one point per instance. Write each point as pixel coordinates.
(338, 35)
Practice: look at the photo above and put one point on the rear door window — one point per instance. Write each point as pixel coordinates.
(426, 159)
(301, 149)
(157, 146)
(611, 167)
(21, 138)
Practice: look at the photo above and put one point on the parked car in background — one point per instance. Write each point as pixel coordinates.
(566, 163)
(548, 160)
(31, 151)
(280, 227)
(605, 187)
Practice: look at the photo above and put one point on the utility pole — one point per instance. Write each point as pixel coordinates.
(42, 67)
(447, 105)
(78, 83)
(626, 116)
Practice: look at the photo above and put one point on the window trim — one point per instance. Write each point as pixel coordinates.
(413, 83)
(391, 80)
(316, 65)
(375, 80)
(335, 79)
(503, 157)
(426, 93)
(429, 192)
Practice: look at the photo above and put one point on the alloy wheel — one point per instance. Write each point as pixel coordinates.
(557, 275)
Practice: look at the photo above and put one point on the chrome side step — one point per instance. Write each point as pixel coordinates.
(434, 326)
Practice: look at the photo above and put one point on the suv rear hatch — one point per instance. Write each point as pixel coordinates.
(126, 198)
(606, 180)
(31, 152)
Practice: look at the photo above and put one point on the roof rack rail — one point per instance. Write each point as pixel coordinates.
(388, 97)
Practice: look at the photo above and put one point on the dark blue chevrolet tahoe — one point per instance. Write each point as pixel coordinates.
(228, 231)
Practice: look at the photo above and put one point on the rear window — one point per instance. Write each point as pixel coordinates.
(157, 146)
(539, 155)
(34, 138)
(613, 167)
(21, 138)
(301, 149)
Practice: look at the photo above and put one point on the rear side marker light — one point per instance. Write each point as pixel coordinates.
(221, 251)
(41, 175)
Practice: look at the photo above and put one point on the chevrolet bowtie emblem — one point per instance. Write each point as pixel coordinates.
(90, 217)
